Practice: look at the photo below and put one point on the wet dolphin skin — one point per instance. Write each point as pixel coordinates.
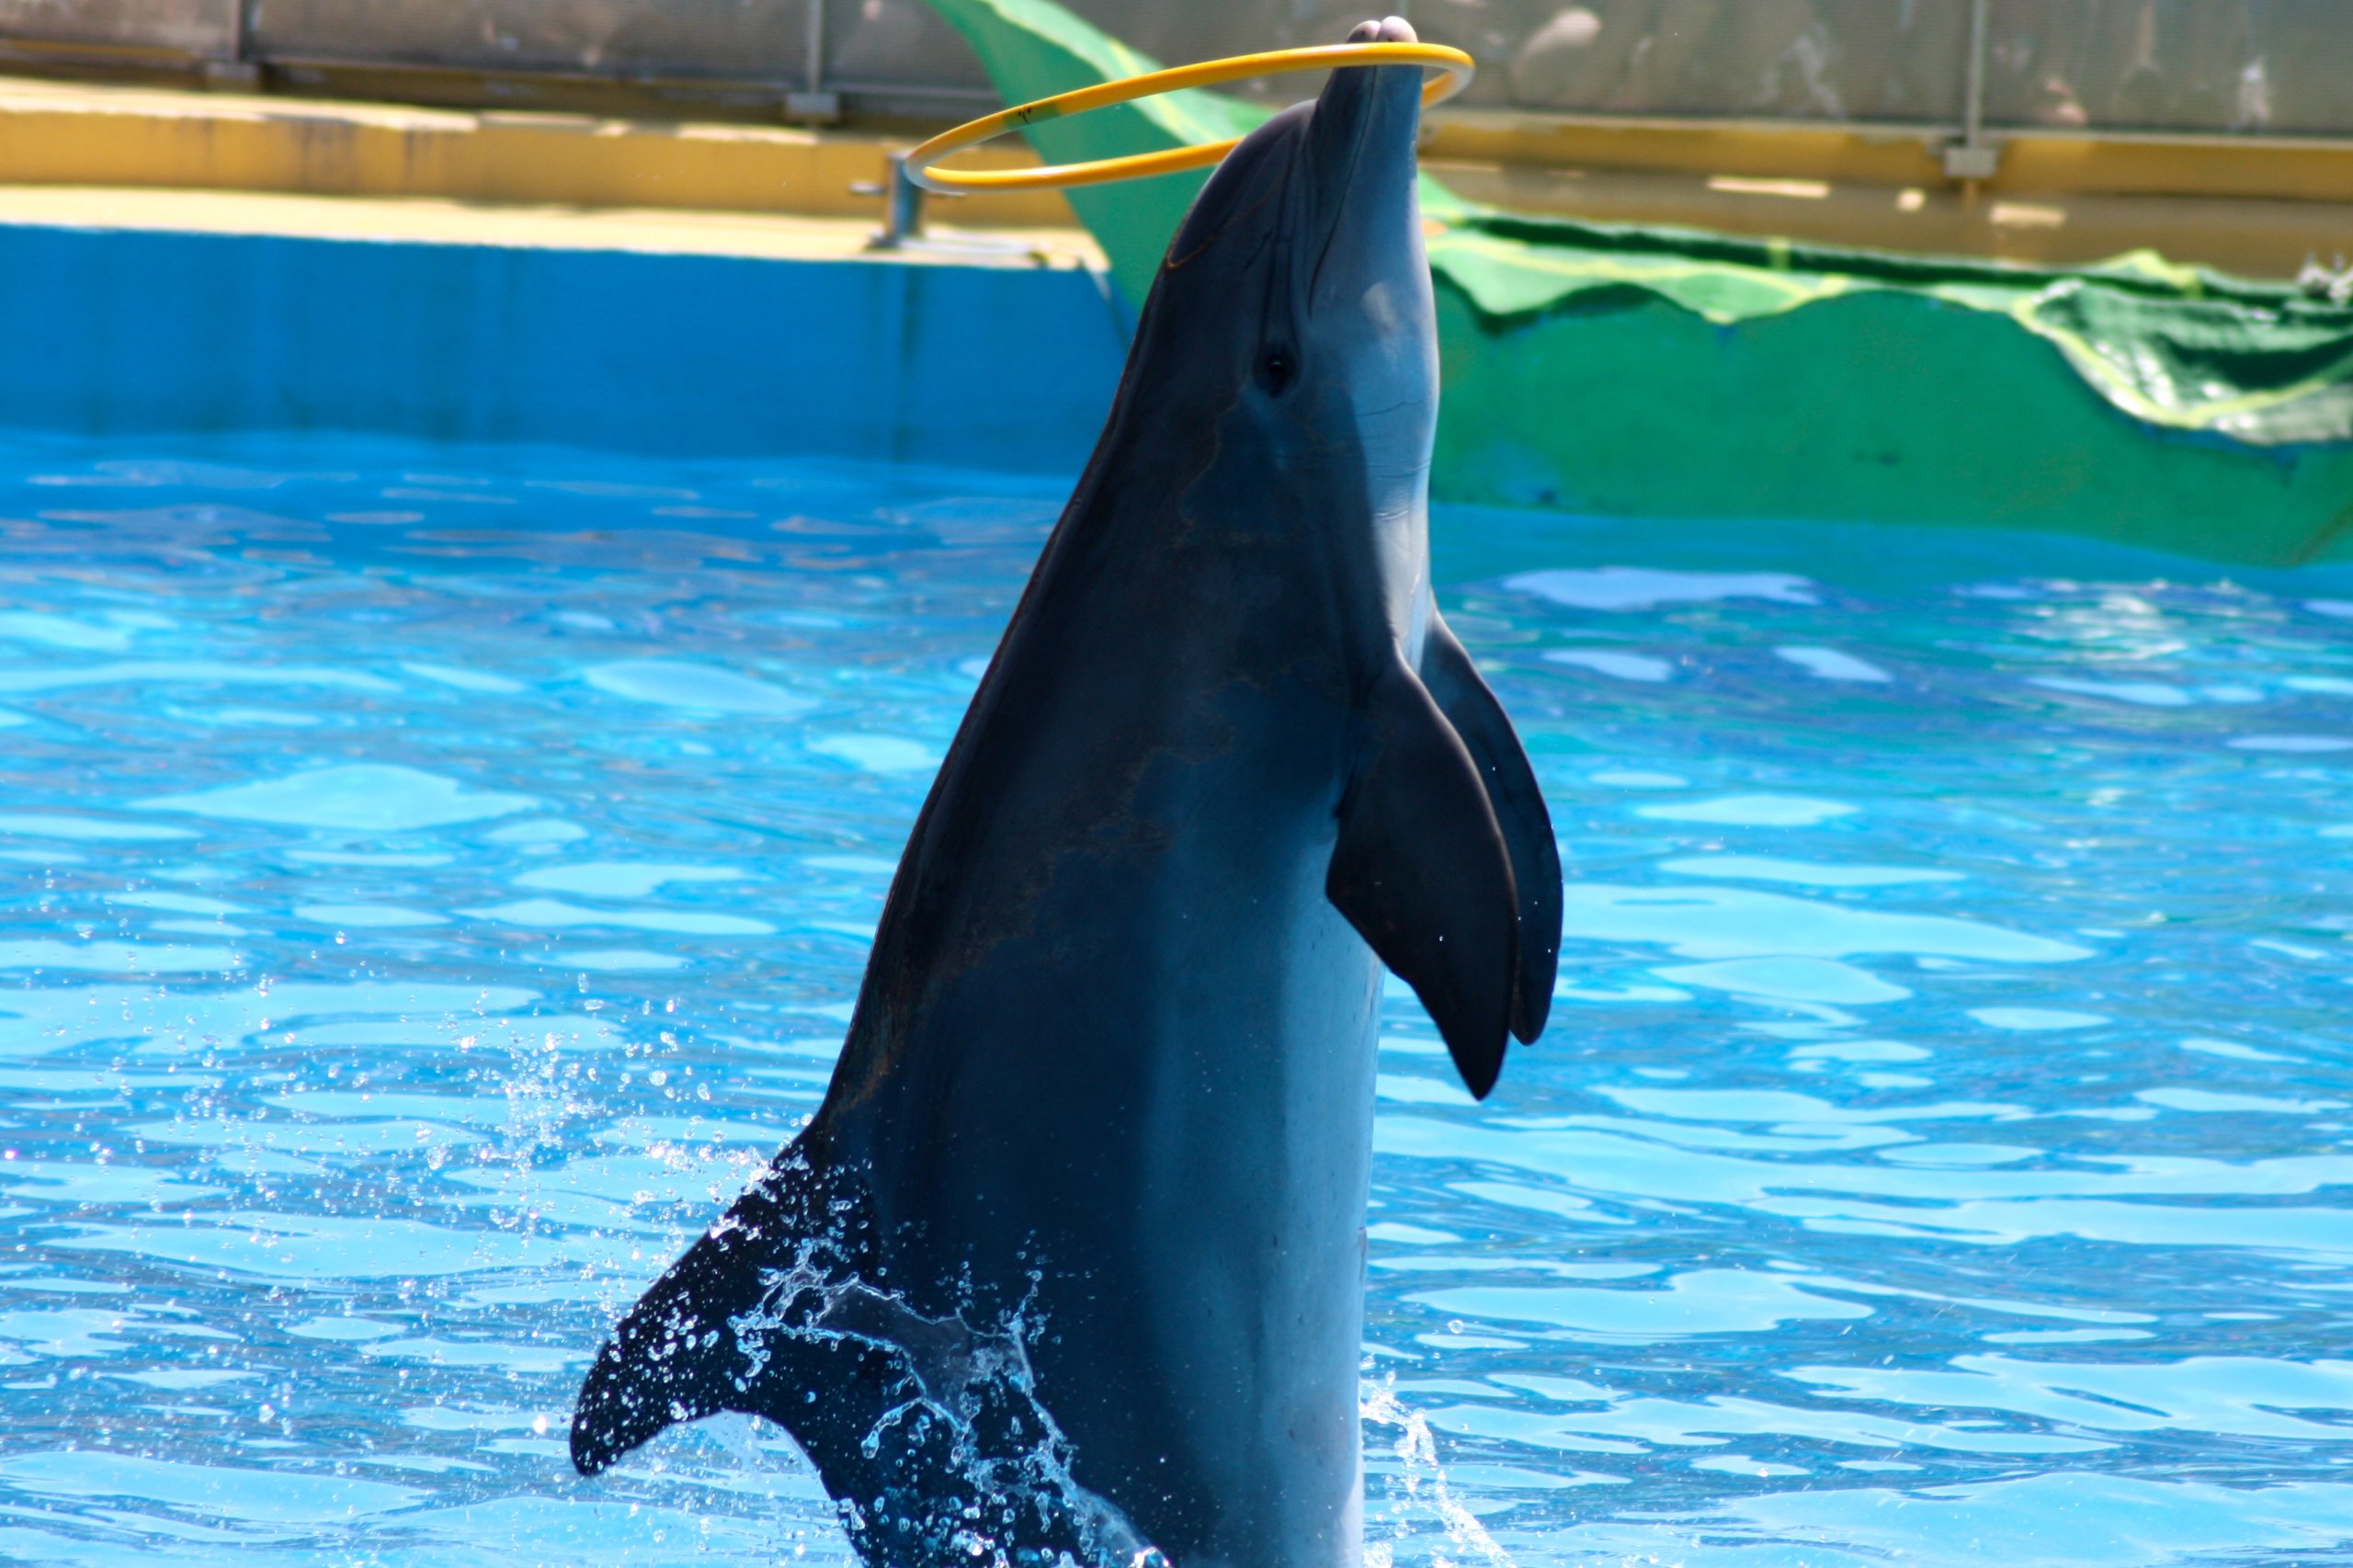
(1070, 1263)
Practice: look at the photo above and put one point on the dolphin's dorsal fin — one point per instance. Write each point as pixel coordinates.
(1421, 871)
(1518, 804)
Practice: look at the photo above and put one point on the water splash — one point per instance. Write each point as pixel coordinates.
(979, 1471)
(1425, 1483)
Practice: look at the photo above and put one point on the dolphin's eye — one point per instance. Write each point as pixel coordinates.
(1276, 368)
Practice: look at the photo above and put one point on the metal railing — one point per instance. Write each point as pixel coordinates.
(1972, 70)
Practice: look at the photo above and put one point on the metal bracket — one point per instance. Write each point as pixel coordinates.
(238, 71)
(902, 207)
(232, 76)
(812, 107)
(1972, 157)
(814, 104)
(1966, 160)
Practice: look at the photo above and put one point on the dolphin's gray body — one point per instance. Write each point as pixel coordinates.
(1070, 1261)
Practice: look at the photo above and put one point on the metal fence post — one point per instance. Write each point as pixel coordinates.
(239, 70)
(814, 102)
(1972, 157)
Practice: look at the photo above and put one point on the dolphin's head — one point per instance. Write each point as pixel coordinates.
(1293, 312)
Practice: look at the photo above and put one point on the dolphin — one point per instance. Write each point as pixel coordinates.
(1070, 1264)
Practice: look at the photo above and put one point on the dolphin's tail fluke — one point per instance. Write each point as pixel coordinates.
(708, 1336)
(926, 1430)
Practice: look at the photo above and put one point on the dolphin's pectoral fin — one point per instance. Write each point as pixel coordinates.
(1518, 803)
(1421, 871)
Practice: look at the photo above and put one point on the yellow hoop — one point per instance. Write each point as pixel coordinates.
(1457, 65)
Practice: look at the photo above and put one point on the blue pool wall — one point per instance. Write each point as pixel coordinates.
(135, 333)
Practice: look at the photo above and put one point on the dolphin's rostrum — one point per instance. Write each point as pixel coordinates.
(1070, 1263)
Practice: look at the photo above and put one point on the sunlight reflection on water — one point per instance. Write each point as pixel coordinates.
(421, 923)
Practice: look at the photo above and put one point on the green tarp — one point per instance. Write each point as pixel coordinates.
(2177, 347)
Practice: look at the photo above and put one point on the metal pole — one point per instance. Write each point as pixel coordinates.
(240, 70)
(902, 206)
(1973, 109)
(1971, 158)
(814, 101)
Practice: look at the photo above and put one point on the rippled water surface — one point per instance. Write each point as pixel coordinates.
(437, 879)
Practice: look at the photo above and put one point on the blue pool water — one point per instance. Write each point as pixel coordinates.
(439, 877)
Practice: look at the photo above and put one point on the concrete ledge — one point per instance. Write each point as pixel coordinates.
(2255, 237)
(58, 134)
(2246, 205)
(2034, 162)
(646, 231)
